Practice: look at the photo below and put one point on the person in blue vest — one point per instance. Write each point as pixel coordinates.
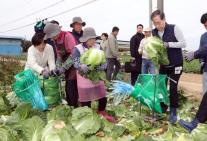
(174, 41)
(201, 53)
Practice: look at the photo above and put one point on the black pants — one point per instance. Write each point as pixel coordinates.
(201, 115)
(174, 101)
(71, 92)
(111, 71)
(134, 75)
(101, 104)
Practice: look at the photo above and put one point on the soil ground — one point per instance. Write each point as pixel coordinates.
(191, 84)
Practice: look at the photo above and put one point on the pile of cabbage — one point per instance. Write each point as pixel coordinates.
(156, 51)
(20, 122)
(60, 124)
(94, 58)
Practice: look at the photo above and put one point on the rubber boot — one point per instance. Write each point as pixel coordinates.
(173, 116)
(189, 125)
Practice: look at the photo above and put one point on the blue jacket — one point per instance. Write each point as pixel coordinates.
(201, 53)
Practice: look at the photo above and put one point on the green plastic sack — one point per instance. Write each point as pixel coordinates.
(24, 79)
(151, 90)
(27, 89)
(27, 75)
(51, 90)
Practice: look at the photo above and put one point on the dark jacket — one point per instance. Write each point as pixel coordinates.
(134, 45)
(77, 36)
(201, 53)
(174, 54)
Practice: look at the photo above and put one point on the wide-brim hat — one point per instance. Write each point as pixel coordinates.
(88, 33)
(51, 30)
(77, 20)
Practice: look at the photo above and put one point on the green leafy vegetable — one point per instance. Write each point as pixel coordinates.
(185, 137)
(23, 110)
(7, 134)
(118, 131)
(57, 130)
(95, 76)
(85, 121)
(63, 123)
(51, 90)
(156, 51)
(32, 129)
(200, 133)
(39, 113)
(94, 58)
(61, 112)
(126, 138)
(13, 99)
(144, 138)
(5, 107)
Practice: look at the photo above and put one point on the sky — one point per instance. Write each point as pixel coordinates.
(102, 15)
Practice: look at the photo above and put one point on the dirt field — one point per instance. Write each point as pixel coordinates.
(192, 85)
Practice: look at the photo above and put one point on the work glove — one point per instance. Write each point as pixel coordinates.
(166, 44)
(58, 71)
(101, 67)
(45, 74)
(189, 56)
(84, 68)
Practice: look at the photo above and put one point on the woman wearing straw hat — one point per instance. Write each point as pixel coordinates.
(87, 90)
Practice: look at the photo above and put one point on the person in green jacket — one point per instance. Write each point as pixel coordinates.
(112, 55)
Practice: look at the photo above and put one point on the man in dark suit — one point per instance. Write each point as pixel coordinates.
(134, 46)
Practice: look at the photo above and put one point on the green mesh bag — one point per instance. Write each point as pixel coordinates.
(51, 90)
(24, 79)
(151, 90)
(27, 89)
